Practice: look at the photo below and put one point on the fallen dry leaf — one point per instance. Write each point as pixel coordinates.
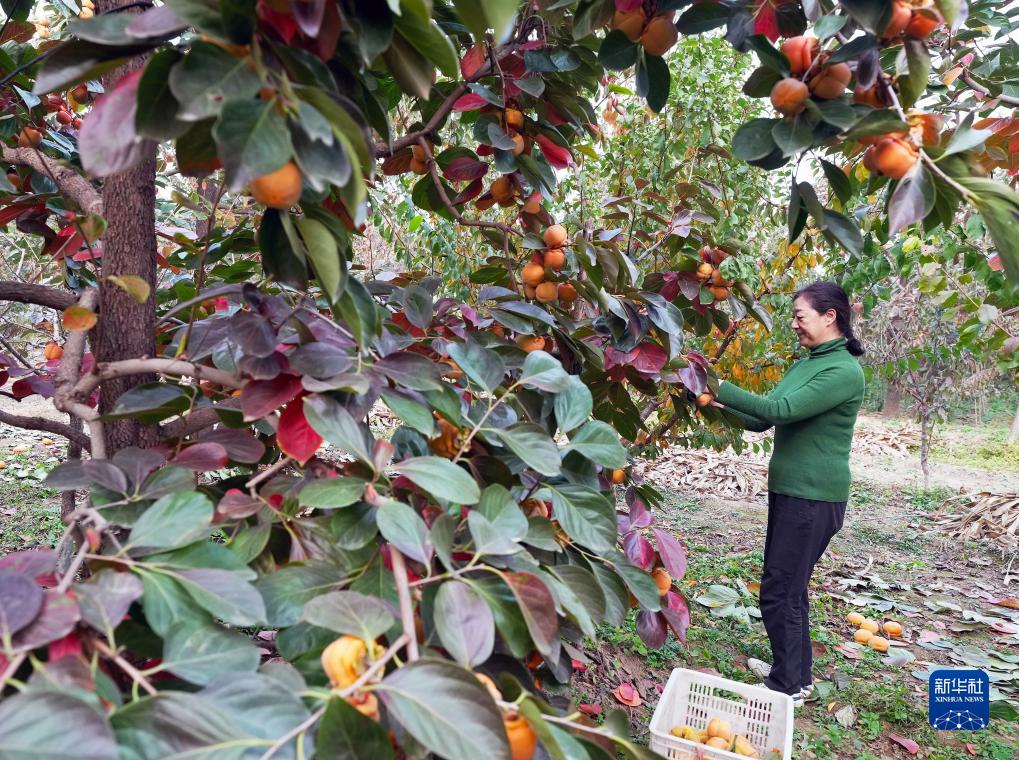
(850, 651)
(1003, 627)
(628, 695)
(1011, 602)
(971, 748)
(908, 744)
(589, 709)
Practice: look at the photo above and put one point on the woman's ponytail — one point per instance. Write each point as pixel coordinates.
(823, 296)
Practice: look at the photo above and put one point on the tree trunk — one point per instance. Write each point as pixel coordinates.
(893, 401)
(126, 327)
(1013, 434)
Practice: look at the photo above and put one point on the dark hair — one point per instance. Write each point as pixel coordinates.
(823, 296)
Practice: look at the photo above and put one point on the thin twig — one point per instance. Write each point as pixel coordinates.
(124, 665)
(12, 668)
(72, 571)
(266, 474)
(406, 607)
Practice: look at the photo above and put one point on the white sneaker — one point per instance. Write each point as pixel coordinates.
(759, 668)
(806, 691)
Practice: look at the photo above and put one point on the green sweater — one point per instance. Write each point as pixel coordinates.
(814, 412)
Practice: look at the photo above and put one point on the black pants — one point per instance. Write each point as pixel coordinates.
(798, 533)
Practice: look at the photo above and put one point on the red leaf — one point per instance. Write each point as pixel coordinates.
(672, 554)
(465, 168)
(1002, 627)
(557, 156)
(236, 504)
(995, 263)
(469, 193)
(17, 209)
(108, 143)
(578, 665)
(472, 62)
(638, 551)
(294, 435)
(1011, 602)
(971, 748)
(650, 358)
(95, 253)
(469, 102)
(850, 651)
(589, 709)
(70, 645)
(628, 695)
(676, 613)
(910, 746)
(262, 397)
(765, 21)
(202, 457)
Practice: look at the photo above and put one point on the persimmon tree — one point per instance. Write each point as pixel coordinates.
(228, 585)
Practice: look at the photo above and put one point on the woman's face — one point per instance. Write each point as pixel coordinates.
(811, 327)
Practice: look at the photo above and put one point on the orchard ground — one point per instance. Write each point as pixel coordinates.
(886, 549)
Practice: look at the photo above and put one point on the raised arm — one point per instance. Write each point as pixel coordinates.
(749, 422)
(826, 390)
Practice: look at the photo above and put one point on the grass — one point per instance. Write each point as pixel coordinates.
(36, 515)
(983, 448)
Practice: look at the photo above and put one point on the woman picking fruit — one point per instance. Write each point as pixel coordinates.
(813, 410)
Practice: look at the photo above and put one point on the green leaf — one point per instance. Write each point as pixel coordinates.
(793, 136)
(411, 70)
(464, 622)
(573, 404)
(761, 82)
(414, 413)
(289, 588)
(334, 423)
(585, 514)
(106, 597)
(918, 63)
(446, 708)
(532, 445)
(641, 585)
(659, 82)
(754, 140)
(844, 230)
(482, 15)
(37, 724)
(346, 734)
(202, 652)
(156, 114)
(840, 184)
(75, 61)
(482, 365)
(543, 371)
(617, 51)
(951, 10)
(587, 602)
(331, 493)
(508, 617)
(768, 54)
(366, 617)
(323, 255)
(226, 595)
(166, 603)
(999, 207)
(965, 137)
(441, 478)
(878, 122)
(837, 112)
(429, 40)
(207, 77)
(174, 520)
(497, 524)
(404, 529)
(827, 26)
(252, 139)
(912, 200)
(600, 443)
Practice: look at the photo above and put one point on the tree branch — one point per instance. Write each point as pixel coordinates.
(64, 383)
(406, 605)
(147, 365)
(70, 184)
(40, 295)
(46, 426)
(984, 91)
(198, 420)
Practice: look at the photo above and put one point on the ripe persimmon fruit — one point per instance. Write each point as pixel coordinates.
(555, 236)
(522, 739)
(567, 292)
(530, 291)
(53, 351)
(863, 636)
(720, 728)
(419, 153)
(923, 22)
(801, 52)
(902, 14)
(788, 96)
(502, 190)
(872, 96)
(30, 137)
(893, 157)
(278, 189)
(530, 342)
(555, 259)
(519, 144)
(705, 270)
(855, 618)
(546, 292)
(704, 399)
(892, 628)
(878, 643)
(630, 23)
(533, 274)
(618, 476)
(533, 204)
(514, 119)
(662, 579)
(869, 625)
(831, 81)
(720, 292)
(659, 35)
(418, 166)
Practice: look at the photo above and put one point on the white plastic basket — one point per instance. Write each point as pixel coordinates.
(692, 698)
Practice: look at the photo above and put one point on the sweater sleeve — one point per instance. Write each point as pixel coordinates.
(749, 422)
(825, 390)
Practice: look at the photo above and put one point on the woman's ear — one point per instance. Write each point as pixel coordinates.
(830, 317)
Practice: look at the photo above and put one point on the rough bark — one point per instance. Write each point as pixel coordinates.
(893, 402)
(126, 328)
(41, 295)
(1013, 434)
